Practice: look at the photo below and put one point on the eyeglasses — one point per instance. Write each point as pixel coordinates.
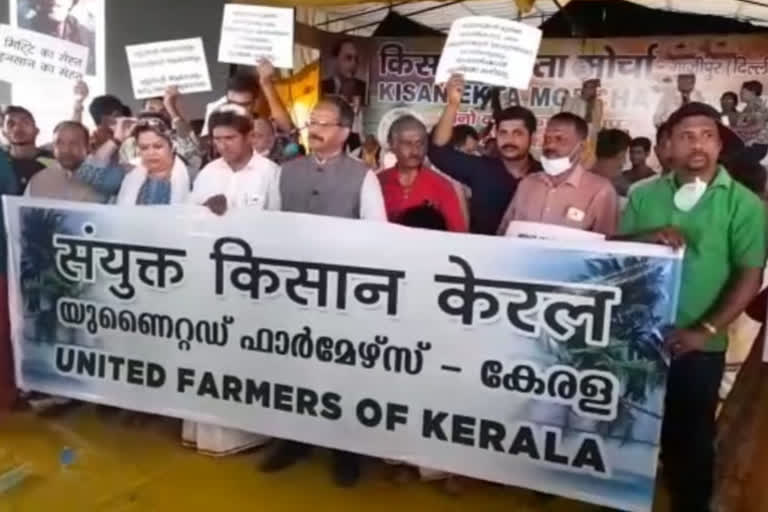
(318, 124)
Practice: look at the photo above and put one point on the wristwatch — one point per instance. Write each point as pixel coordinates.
(711, 329)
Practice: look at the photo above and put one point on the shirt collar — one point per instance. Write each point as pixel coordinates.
(722, 179)
(327, 161)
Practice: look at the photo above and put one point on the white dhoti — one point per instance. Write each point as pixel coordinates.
(425, 474)
(219, 441)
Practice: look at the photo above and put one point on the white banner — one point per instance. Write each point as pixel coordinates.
(156, 66)
(491, 51)
(253, 32)
(501, 359)
(30, 56)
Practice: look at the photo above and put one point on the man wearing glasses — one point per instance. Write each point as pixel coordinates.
(346, 61)
(328, 182)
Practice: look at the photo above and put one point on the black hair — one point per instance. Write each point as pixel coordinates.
(732, 95)
(105, 105)
(402, 123)
(242, 124)
(578, 123)
(692, 109)
(462, 132)
(77, 126)
(338, 45)
(747, 171)
(662, 132)
(754, 86)
(18, 110)
(346, 114)
(516, 113)
(641, 142)
(243, 81)
(611, 142)
(425, 216)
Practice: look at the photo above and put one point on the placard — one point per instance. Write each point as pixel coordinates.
(491, 51)
(542, 231)
(26, 55)
(156, 66)
(532, 363)
(253, 32)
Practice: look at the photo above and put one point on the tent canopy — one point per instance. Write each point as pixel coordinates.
(363, 18)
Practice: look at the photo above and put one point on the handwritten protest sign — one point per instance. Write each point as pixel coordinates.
(155, 66)
(253, 32)
(490, 50)
(27, 55)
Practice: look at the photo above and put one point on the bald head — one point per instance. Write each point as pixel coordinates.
(263, 136)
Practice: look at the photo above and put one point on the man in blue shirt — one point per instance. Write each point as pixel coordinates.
(493, 180)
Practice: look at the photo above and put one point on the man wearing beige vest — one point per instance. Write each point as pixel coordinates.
(60, 180)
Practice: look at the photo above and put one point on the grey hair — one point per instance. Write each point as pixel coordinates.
(402, 124)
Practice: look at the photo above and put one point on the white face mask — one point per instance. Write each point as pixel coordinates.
(557, 166)
(689, 194)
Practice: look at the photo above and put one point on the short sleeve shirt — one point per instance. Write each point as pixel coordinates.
(725, 231)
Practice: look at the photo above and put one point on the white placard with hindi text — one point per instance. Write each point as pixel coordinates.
(156, 66)
(491, 51)
(253, 32)
(27, 55)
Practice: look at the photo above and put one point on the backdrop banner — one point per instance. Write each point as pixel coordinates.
(636, 73)
(532, 363)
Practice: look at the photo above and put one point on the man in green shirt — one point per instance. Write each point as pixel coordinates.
(722, 226)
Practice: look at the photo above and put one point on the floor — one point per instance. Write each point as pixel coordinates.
(93, 461)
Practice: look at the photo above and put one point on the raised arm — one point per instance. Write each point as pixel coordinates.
(80, 95)
(276, 108)
(454, 90)
(187, 143)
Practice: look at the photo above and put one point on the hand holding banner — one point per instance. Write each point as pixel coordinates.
(491, 51)
(253, 32)
(156, 66)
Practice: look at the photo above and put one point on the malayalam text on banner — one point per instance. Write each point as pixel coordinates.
(526, 362)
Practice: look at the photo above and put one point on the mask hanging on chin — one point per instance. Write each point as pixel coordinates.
(557, 166)
(689, 194)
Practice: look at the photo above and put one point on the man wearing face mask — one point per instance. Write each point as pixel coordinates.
(565, 194)
(723, 226)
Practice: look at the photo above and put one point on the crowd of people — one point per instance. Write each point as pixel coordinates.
(706, 196)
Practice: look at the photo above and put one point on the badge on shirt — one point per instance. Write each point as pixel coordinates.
(575, 215)
(252, 200)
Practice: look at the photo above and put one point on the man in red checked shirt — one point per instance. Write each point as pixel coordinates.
(410, 183)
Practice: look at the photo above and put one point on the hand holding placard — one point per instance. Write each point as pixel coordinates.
(180, 63)
(490, 50)
(253, 32)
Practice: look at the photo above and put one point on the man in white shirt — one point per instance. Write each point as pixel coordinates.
(674, 99)
(241, 177)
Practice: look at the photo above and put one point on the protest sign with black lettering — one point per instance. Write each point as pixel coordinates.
(156, 66)
(27, 55)
(532, 363)
(491, 51)
(253, 32)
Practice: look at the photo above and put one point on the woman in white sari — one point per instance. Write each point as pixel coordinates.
(158, 176)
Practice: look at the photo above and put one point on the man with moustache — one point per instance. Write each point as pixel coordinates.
(328, 182)
(565, 194)
(492, 180)
(410, 183)
(723, 227)
(61, 180)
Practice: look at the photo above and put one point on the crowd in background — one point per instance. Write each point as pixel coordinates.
(706, 195)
